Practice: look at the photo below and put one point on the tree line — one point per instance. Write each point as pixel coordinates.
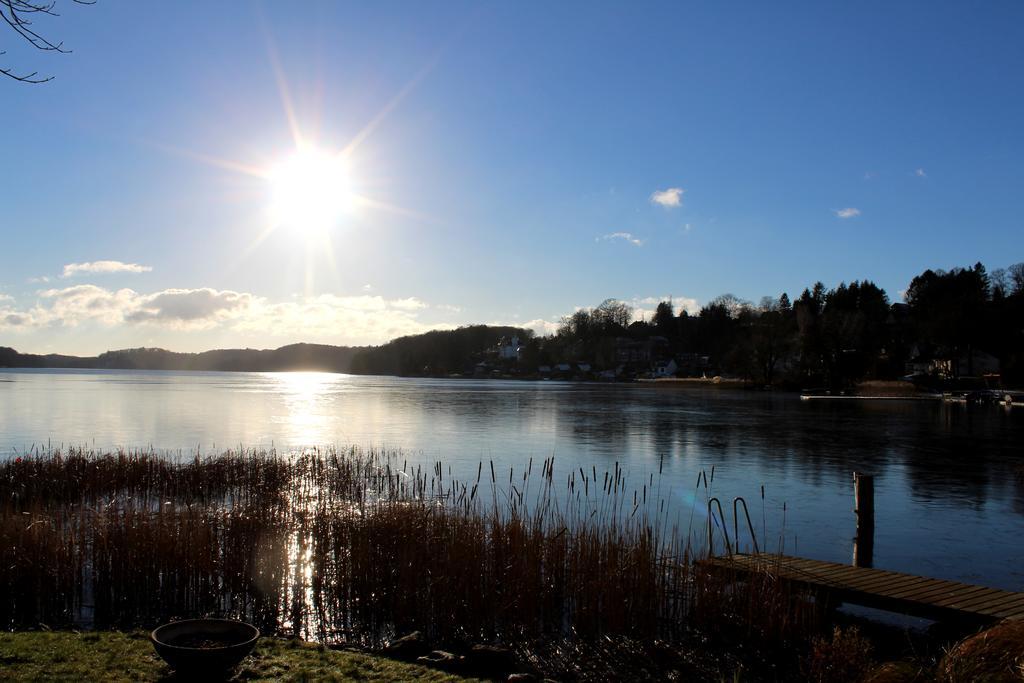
(825, 337)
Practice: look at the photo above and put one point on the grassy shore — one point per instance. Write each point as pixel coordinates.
(995, 655)
(115, 656)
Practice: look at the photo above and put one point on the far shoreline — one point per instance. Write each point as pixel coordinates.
(868, 390)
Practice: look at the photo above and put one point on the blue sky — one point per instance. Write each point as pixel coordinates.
(513, 154)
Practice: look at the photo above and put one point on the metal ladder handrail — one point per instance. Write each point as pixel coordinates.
(736, 523)
(725, 530)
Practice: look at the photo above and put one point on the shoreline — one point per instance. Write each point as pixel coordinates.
(890, 389)
(720, 382)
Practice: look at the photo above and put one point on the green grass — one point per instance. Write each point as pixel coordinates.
(117, 656)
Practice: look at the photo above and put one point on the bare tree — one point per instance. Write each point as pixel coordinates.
(768, 304)
(999, 282)
(19, 16)
(613, 313)
(733, 304)
(1016, 272)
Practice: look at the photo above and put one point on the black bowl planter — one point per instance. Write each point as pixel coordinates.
(204, 645)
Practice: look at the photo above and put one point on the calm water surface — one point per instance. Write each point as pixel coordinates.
(949, 496)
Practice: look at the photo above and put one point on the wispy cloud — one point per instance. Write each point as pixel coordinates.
(72, 269)
(627, 236)
(848, 212)
(870, 175)
(920, 173)
(670, 198)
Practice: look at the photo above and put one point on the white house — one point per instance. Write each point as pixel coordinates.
(509, 349)
(665, 368)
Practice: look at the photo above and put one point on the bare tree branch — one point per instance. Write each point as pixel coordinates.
(16, 14)
(24, 78)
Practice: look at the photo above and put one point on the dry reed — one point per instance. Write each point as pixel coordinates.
(358, 546)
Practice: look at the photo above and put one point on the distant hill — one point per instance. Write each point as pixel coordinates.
(320, 357)
(436, 353)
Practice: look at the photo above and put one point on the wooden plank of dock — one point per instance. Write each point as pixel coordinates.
(892, 591)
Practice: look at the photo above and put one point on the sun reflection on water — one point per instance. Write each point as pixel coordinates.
(306, 396)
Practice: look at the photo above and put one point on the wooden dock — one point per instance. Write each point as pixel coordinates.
(891, 591)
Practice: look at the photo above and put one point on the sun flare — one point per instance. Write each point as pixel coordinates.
(311, 191)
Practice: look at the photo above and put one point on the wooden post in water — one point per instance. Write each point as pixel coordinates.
(864, 507)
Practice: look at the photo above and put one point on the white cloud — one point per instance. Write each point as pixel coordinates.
(540, 326)
(359, 319)
(188, 308)
(11, 320)
(242, 317)
(670, 198)
(920, 173)
(72, 269)
(409, 304)
(627, 236)
(73, 305)
(644, 307)
(848, 212)
(37, 280)
(870, 175)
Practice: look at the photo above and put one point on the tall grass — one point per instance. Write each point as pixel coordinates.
(358, 546)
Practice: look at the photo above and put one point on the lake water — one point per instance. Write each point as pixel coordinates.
(949, 488)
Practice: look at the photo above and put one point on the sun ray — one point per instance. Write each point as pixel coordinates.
(282, 83)
(227, 164)
(392, 103)
(369, 202)
(252, 246)
(310, 274)
(329, 255)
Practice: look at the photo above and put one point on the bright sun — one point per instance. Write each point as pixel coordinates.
(311, 191)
